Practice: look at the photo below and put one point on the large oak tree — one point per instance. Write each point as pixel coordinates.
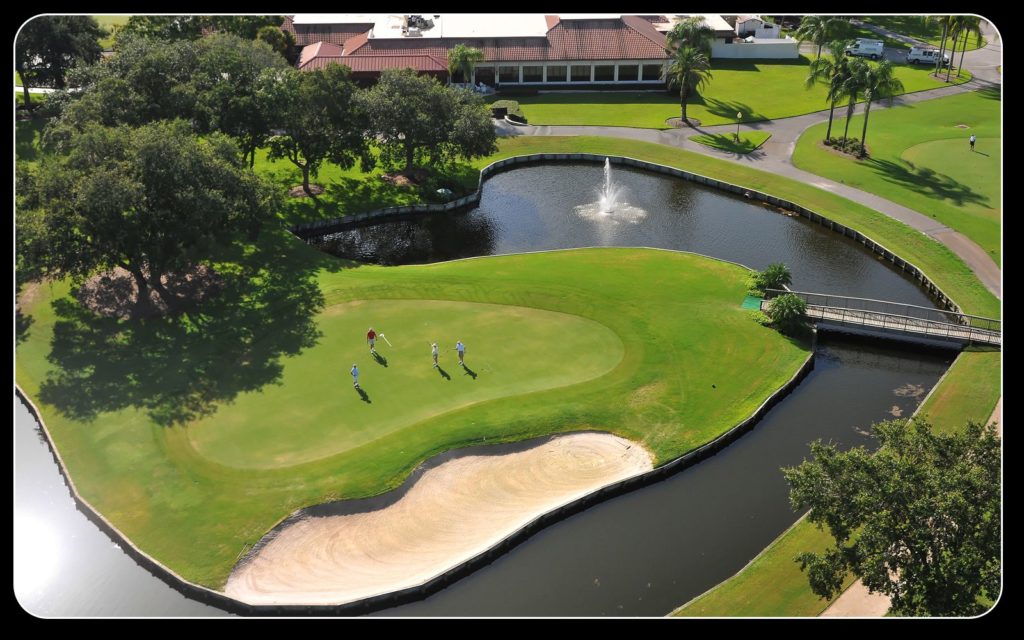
(152, 200)
(918, 520)
(48, 46)
(416, 119)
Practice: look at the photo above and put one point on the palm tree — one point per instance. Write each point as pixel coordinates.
(880, 83)
(690, 70)
(833, 71)
(692, 32)
(817, 30)
(461, 59)
(944, 21)
(955, 27)
(969, 25)
(851, 87)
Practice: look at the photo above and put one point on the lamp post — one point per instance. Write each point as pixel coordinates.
(739, 116)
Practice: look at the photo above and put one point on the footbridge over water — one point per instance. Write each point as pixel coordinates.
(895, 319)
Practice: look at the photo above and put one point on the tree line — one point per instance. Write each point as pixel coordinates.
(149, 160)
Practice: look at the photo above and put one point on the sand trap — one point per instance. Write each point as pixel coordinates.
(452, 513)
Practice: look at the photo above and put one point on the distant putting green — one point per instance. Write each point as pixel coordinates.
(314, 413)
(651, 345)
(921, 158)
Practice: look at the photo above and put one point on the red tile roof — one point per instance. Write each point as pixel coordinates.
(320, 49)
(376, 64)
(628, 38)
(306, 34)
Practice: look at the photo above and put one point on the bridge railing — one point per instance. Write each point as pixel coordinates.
(892, 308)
(908, 324)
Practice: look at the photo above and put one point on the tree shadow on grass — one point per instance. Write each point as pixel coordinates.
(178, 369)
(926, 182)
(991, 92)
(729, 108)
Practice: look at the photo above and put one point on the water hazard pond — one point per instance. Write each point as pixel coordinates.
(641, 554)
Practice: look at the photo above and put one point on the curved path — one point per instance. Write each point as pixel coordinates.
(776, 156)
(452, 513)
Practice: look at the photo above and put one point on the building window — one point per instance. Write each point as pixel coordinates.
(652, 72)
(556, 73)
(629, 72)
(604, 73)
(533, 74)
(508, 75)
(581, 73)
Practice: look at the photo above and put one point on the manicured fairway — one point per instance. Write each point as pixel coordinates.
(760, 90)
(314, 413)
(920, 158)
(260, 380)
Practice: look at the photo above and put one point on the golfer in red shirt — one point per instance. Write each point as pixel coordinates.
(371, 339)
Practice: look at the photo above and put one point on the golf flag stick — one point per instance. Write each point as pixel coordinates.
(386, 340)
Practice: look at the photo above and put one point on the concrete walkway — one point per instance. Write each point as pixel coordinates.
(775, 156)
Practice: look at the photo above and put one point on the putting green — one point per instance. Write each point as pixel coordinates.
(315, 412)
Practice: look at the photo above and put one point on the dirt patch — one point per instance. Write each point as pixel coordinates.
(645, 394)
(679, 123)
(407, 178)
(298, 192)
(962, 126)
(115, 294)
(28, 294)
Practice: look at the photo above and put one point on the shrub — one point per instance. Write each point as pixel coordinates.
(761, 318)
(774, 276)
(787, 312)
(511, 106)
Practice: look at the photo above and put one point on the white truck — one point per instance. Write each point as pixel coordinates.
(866, 48)
(924, 55)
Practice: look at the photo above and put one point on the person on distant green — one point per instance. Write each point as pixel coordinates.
(355, 375)
(461, 348)
(433, 352)
(974, 139)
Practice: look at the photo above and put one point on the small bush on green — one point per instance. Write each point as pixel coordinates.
(787, 312)
(761, 318)
(512, 106)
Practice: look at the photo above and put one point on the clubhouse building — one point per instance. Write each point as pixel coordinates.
(520, 50)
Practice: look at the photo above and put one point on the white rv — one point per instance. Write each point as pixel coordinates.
(866, 48)
(922, 55)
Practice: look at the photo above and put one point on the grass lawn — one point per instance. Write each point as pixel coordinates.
(914, 27)
(110, 23)
(966, 394)
(749, 141)
(920, 158)
(215, 427)
(772, 584)
(761, 90)
(37, 98)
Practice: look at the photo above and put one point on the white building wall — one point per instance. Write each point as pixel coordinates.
(763, 50)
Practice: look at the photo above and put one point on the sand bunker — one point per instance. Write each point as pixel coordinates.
(452, 513)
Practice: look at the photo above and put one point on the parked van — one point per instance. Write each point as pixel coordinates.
(922, 55)
(866, 48)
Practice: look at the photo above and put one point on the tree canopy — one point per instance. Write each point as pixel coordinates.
(151, 200)
(192, 27)
(416, 119)
(919, 520)
(319, 119)
(48, 46)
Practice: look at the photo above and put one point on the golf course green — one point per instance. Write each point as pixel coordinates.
(650, 345)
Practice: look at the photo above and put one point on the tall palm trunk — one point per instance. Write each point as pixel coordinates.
(963, 50)
(849, 116)
(952, 56)
(683, 95)
(942, 48)
(831, 109)
(864, 131)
